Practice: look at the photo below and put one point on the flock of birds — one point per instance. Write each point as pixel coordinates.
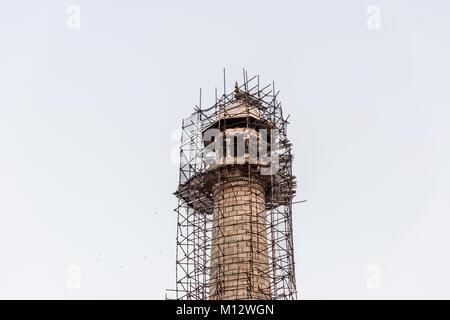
(121, 267)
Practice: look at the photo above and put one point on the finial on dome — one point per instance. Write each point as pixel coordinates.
(236, 90)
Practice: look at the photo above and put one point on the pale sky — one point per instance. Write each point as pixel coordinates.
(89, 116)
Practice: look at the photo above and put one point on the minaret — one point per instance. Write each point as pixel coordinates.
(239, 252)
(234, 214)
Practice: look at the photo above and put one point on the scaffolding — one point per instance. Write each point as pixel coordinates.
(199, 211)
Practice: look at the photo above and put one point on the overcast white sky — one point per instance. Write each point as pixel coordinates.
(87, 119)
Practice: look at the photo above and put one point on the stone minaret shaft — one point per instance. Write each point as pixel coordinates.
(239, 258)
